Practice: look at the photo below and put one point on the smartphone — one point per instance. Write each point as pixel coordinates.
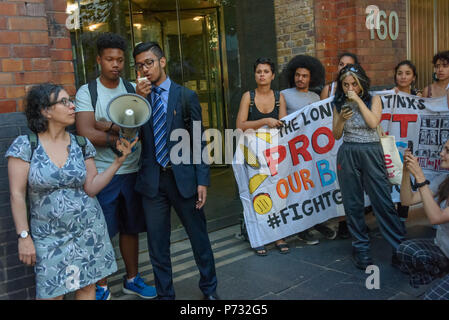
(410, 146)
(345, 109)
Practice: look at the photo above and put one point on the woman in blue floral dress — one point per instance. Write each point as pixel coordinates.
(69, 244)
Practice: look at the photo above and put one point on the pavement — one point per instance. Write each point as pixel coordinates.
(319, 272)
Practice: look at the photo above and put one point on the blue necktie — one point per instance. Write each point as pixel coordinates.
(160, 127)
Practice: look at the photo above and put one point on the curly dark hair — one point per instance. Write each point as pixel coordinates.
(110, 40)
(443, 55)
(39, 98)
(357, 72)
(312, 64)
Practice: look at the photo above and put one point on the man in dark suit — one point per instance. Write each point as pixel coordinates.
(164, 183)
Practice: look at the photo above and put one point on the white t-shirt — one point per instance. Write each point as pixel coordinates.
(105, 156)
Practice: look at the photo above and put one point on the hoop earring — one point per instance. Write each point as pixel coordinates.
(412, 86)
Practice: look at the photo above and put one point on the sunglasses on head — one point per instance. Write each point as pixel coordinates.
(350, 68)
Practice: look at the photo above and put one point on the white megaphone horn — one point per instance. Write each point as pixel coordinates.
(129, 111)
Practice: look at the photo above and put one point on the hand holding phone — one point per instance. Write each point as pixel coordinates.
(410, 146)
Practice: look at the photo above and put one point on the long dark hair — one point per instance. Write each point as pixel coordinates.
(359, 74)
(415, 73)
(349, 54)
(443, 190)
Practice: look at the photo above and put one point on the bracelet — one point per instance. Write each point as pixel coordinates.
(422, 184)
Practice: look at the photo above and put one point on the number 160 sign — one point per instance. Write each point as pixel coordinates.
(376, 19)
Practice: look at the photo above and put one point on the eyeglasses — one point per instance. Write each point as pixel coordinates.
(66, 102)
(147, 63)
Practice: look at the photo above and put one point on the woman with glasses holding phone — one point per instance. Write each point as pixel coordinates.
(360, 163)
(65, 239)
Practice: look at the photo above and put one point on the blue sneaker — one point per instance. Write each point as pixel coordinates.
(139, 288)
(102, 294)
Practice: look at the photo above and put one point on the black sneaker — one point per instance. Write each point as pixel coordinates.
(307, 237)
(343, 231)
(361, 259)
(329, 233)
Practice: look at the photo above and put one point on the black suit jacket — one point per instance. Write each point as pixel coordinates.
(187, 175)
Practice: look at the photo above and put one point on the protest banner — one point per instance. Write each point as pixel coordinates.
(287, 177)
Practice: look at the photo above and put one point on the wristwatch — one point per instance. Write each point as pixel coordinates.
(422, 184)
(24, 234)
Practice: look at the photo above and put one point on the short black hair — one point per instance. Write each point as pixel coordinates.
(312, 64)
(443, 55)
(39, 98)
(145, 46)
(265, 61)
(110, 40)
(351, 55)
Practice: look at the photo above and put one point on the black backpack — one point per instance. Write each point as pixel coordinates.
(34, 139)
(92, 85)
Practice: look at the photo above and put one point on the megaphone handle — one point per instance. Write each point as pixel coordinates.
(112, 146)
(116, 151)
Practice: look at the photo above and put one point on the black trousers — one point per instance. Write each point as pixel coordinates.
(157, 215)
(360, 167)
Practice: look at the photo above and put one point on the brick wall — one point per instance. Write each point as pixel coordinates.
(16, 280)
(34, 48)
(341, 26)
(294, 29)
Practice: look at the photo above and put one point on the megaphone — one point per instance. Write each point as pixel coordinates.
(129, 111)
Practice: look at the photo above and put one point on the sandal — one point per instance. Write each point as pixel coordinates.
(283, 248)
(261, 251)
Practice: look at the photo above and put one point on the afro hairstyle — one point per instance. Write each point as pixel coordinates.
(312, 64)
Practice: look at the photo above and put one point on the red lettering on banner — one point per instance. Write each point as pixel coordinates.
(327, 132)
(302, 150)
(385, 116)
(404, 119)
(273, 163)
(281, 151)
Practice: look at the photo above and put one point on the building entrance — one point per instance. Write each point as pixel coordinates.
(191, 33)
